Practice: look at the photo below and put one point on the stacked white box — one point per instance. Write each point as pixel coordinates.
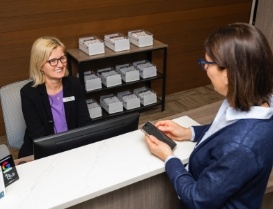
(109, 77)
(129, 100)
(111, 103)
(91, 45)
(146, 68)
(140, 38)
(94, 109)
(128, 72)
(146, 95)
(92, 81)
(117, 42)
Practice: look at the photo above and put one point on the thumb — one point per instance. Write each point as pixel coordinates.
(153, 139)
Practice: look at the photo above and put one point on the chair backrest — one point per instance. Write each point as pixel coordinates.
(12, 113)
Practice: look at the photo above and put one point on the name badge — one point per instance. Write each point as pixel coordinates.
(68, 99)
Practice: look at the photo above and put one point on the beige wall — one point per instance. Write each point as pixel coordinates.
(181, 24)
(264, 17)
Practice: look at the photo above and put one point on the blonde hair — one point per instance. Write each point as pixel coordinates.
(40, 52)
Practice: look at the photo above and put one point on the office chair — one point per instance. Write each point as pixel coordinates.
(12, 113)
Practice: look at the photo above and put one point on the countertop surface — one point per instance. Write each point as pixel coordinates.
(75, 176)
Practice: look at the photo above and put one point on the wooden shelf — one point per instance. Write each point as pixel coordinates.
(81, 60)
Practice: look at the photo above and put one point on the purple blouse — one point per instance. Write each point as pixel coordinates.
(58, 112)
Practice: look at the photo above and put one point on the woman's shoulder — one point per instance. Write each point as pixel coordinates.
(253, 125)
(28, 87)
(250, 127)
(248, 133)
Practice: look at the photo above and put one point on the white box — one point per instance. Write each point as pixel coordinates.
(128, 72)
(129, 100)
(92, 81)
(94, 109)
(91, 45)
(146, 95)
(146, 68)
(111, 103)
(109, 77)
(117, 42)
(140, 38)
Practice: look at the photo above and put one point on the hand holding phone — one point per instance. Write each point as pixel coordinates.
(149, 129)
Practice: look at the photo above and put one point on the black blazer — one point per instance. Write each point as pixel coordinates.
(38, 116)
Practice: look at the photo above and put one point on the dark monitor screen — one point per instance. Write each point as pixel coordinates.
(97, 131)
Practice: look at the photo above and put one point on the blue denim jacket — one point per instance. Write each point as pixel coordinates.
(230, 169)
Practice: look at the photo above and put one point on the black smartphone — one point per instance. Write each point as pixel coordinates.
(149, 129)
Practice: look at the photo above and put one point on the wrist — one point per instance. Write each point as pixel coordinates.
(189, 134)
(167, 155)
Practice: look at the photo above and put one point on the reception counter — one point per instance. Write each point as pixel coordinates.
(76, 176)
(118, 173)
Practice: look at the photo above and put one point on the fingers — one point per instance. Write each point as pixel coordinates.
(162, 123)
(158, 148)
(164, 126)
(150, 143)
(152, 139)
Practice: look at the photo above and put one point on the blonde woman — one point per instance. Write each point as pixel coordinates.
(52, 102)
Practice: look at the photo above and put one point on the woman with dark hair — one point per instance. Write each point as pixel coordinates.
(233, 157)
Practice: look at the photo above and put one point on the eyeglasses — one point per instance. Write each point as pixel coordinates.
(205, 64)
(54, 62)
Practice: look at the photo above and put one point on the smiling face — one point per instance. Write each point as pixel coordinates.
(54, 73)
(217, 77)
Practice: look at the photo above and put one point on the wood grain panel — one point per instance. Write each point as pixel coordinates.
(181, 24)
(27, 8)
(144, 194)
(120, 24)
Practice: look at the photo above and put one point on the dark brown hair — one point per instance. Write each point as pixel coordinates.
(243, 50)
